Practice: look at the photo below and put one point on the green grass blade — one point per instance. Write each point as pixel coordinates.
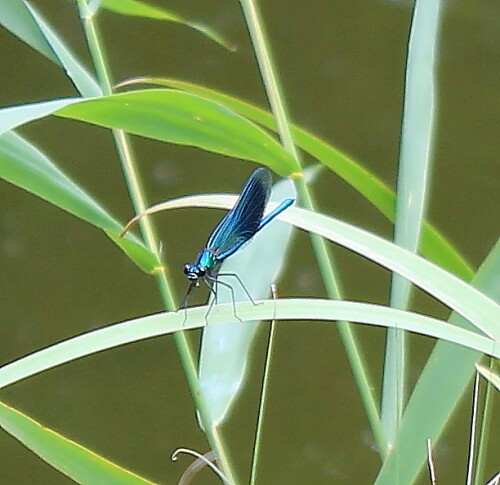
(225, 350)
(137, 195)
(78, 463)
(281, 309)
(136, 8)
(185, 119)
(24, 165)
(73, 68)
(424, 417)
(166, 115)
(434, 245)
(480, 310)
(415, 161)
(15, 17)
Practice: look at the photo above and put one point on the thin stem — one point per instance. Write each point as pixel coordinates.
(137, 192)
(263, 401)
(473, 428)
(323, 256)
(269, 76)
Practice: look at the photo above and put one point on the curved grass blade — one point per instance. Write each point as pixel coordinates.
(24, 165)
(281, 309)
(480, 310)
(225, 349)
(136, 8)
(184, 119)
(434, 245)
(166, 115)
(75, 461)
(426, 418)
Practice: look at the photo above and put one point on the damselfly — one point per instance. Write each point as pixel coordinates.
(237, 227)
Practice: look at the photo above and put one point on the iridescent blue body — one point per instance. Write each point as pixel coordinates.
(237, 227)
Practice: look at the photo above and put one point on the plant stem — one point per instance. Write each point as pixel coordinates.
(262, 403)
(485, 429)
(325, 261)
(137, 196)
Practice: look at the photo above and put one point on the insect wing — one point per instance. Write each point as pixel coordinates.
(243, 220)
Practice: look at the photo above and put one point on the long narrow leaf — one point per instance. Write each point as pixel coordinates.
(26, 166)
(281, 309)
(166, 115)
(25, 22)
(480, 310)
(413, 179)
(184, 119)
(79, 463)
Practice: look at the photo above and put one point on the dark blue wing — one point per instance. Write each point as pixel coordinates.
(243, 220)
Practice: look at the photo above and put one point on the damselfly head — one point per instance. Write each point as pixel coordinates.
(194, 272)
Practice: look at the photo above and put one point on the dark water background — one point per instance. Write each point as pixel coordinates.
(342, 67)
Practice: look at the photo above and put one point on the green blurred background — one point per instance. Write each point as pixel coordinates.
(342, 70)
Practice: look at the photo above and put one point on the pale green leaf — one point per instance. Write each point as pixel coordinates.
(282, 309)
(480, 310)
(14, 116)
(415, 165)
(184, 119)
